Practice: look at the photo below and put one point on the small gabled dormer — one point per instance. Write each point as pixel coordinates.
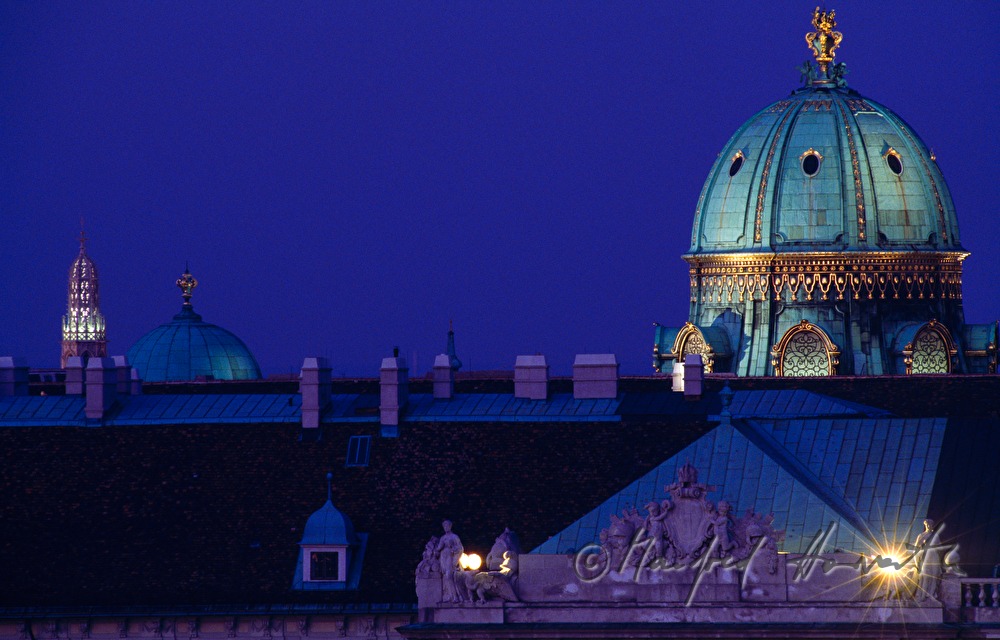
(330, 552)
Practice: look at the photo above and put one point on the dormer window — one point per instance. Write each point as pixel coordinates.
(330, 552)
(325, 565)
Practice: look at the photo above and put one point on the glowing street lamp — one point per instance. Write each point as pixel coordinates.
(470, 561)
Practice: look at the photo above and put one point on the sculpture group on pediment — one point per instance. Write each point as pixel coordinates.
(429, 565)
(442, 558)
(686, 527)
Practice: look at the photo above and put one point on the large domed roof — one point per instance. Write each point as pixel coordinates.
(824, 241)
(825, 169)
(188, 348)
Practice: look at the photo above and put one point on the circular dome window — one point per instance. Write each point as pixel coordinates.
(811, 161)
(894, 161)
(737, 164)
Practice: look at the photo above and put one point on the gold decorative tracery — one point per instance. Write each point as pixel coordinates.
(931, 351)
(804, 277)
(859, 196)
(805, 350)
(690, 339)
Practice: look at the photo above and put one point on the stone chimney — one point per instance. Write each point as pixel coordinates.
(531, 378)
(74, 376)
(595, 375)
(124, 385)
(694, 375)
(135, 382)
(315, 387)
(677, 377)
(394, 388)
(13, 376)
(444, 377)
(102, 385)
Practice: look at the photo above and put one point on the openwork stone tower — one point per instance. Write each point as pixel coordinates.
(83, 327)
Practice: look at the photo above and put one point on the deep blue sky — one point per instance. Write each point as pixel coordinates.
(348, 176)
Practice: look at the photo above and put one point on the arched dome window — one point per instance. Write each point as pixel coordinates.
(931, 350)
(805, 350)
(690, 340)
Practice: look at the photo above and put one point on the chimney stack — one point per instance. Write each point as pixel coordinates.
(595, 375)
(444, 377)
(316, 387)
(13, 376)
(135, 382)
(531, 378)
(694, 374)
(677, 377)
(124, 386)
(74, 376)
(394, 387)
(102, 384)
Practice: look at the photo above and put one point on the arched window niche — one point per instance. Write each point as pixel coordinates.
(690, 339)
(805, 350)
(932, 350)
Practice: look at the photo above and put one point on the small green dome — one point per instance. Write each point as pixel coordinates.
(825, 169)
(329, 526)
(188, 348)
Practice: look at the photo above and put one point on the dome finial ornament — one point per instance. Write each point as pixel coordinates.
(824, 41)
(187, 283)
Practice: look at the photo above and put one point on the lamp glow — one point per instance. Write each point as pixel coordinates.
(887, 564)
(470, 561)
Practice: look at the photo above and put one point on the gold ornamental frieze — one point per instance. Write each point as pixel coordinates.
(823, 277)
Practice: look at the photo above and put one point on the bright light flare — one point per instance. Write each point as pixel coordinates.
(891, 572)
(470, 561)
(887, 565)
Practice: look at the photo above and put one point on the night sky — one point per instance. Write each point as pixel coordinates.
(344, 177)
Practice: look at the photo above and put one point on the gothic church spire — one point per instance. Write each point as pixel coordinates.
(83, 332)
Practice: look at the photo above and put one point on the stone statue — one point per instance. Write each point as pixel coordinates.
(807, 71)
(477, 586)
(720, 528)
(506, 541)
(449, 549)
(430, 564)
(951, 563)
(837, 73)
(655, 529)
(928, 554)
(758, 536)
(619, 538)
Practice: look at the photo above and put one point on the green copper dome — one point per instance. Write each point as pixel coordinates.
(824, 243)
(188, 348)
(825, 169)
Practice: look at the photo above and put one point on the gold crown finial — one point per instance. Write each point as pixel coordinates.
(187, 283)
(824, 40)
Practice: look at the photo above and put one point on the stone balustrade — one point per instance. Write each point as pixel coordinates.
(980, 601)
(980, 592)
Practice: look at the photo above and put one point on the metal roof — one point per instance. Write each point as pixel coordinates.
(232, 408)
(872, 477)
(187, 347)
